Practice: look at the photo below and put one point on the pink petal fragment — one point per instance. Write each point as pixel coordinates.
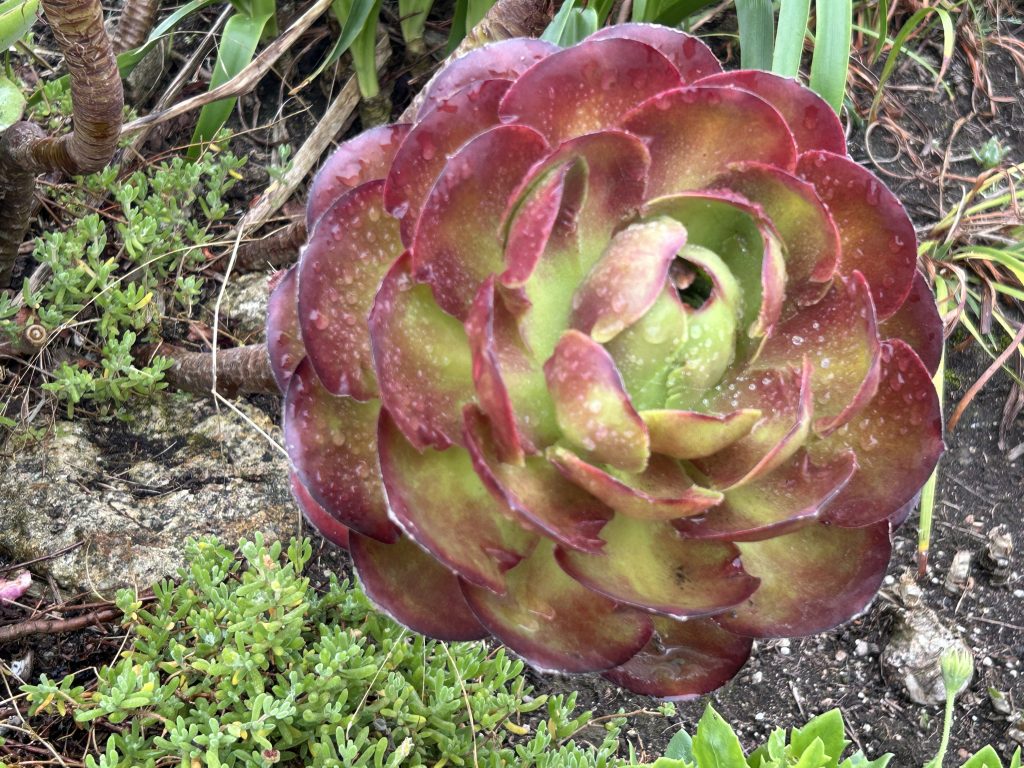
(784, 397)
(693, 435)
(591, 405)
(782, 501)
(695, 132)
(414, 589)
(457, 242)
(801, 220)
(322, 520)
(584, 89)
(441, 504)
(12, 589)
(663, 491)
(364, 158)
(650, 566)
(811, 580)
(917, 322)
(840, 338)
(343, 263)
(877, 236)
(556, 623)
(683, 660)
(432, 141)
(332, 444)
(535, 492)
(284, 340)
(422, 359)
(814, 123)
(628, 278)
(897, 439)
(691, 57)
(504, 60)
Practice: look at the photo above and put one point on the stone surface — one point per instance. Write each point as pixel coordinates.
(131, 493)
(244, 308)
(910, 658)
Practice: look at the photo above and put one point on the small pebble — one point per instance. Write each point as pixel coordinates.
(862, 648)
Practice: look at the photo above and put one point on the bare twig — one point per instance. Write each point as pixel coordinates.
(55, 626)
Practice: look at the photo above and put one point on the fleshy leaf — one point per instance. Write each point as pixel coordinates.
(332, 443)
(683, 660)
(457, 242)
(504, 60)
(897, 439)
(917, 322)
(422, 357)
(583, 89)
(591, 405)
(782, 501)
(663, 491)
(554, 622)
(877, 236)
(784, 397)
(737, 232)
(646, 352)
(692, 435)
(510, 386)
(364, 158)
(414, 589)
(811, 580)
(689, 54)
(678, 577)
(814, 123)
(799, 217)
(535, 492)
(324, 522)
(429, 144)
(628, 278)
(695, 132)
(284, 340)
(840, 338)
(344, 261)
(441, 504)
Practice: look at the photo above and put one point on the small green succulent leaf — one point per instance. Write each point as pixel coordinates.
(987, 758)
(716, 745)
(827, 727)
(1015, 760)
(12, 103)
(858, 760)
(681, 747)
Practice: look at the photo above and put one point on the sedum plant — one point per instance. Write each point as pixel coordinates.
(612, 355)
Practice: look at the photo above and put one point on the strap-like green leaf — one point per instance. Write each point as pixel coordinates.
(12, 103)
(237, 48)
(353, 15)
(831, 62)
(757, 33)
(789, 42)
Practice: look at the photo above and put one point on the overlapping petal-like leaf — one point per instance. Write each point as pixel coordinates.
(612, 355)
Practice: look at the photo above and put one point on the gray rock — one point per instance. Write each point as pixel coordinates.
(133, 492)
(911, 655)
(245, 306)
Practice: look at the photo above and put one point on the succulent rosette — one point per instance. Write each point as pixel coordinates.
(612, 355)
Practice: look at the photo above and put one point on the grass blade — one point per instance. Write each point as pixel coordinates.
(757, 33)
(831, 61)
(912, 25)
(789, 41)
(353, 17)
(882, 31)
(237, 47)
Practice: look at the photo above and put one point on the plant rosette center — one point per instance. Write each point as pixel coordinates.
(612, 355)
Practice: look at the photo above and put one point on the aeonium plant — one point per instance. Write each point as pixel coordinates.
(612, 355)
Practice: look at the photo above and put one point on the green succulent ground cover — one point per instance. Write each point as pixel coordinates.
(244, 663)
(127, 258)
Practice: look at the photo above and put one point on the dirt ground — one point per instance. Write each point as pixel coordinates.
(786, 682)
